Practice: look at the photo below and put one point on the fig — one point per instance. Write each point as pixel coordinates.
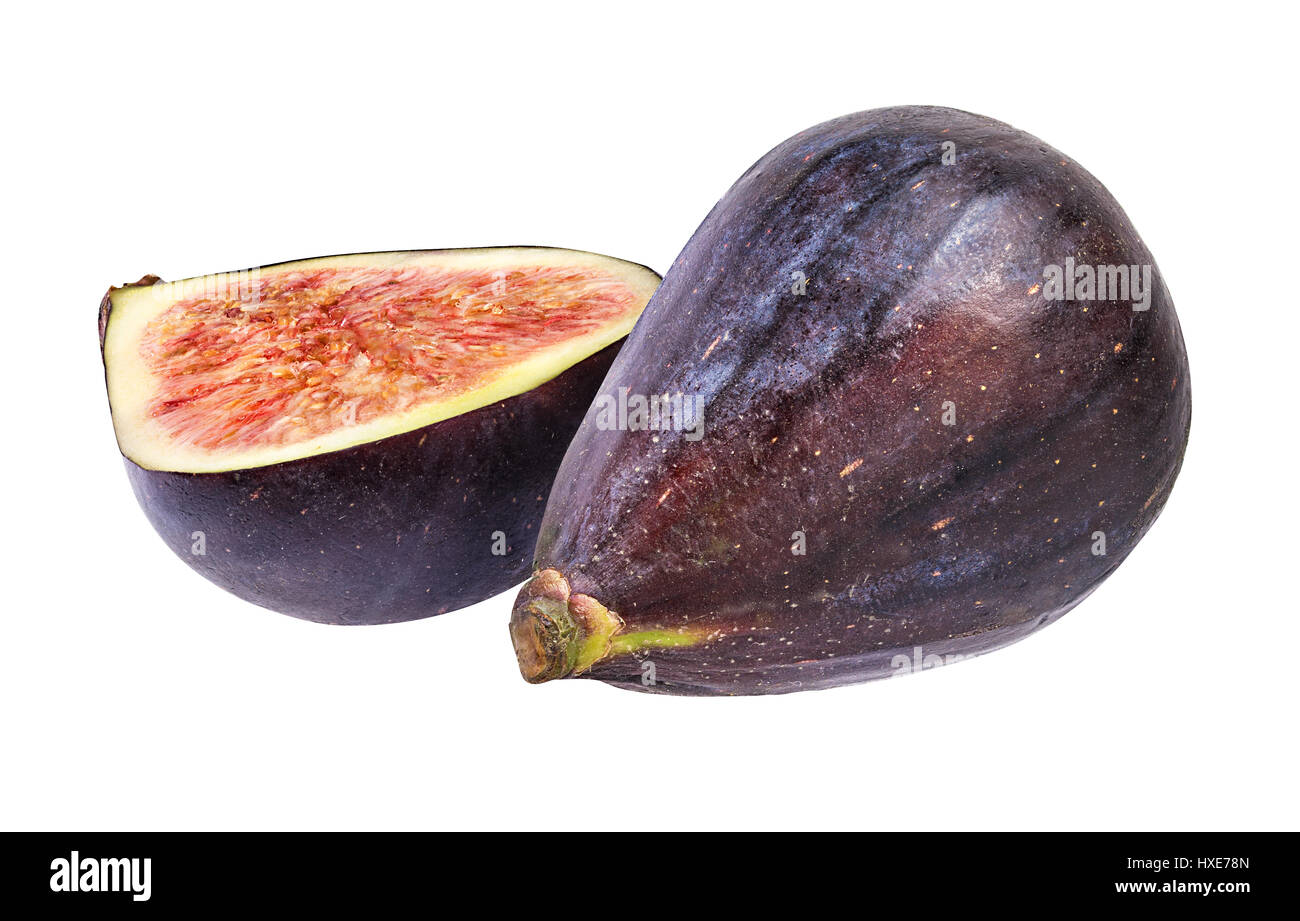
(367, 438)
(913, 389)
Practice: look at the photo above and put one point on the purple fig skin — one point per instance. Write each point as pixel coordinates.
(388, 531)
(824, 416)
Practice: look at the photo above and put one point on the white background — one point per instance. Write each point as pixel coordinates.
(151, 138)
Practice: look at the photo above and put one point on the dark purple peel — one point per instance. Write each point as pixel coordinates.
(824, 414)
(388, 531)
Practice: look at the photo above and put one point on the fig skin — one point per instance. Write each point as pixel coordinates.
(824, 416)
(387, 531)
(396, 529)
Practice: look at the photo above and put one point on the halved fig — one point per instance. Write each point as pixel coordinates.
(366, 438)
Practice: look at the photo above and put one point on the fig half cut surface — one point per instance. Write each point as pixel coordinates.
(365, 438)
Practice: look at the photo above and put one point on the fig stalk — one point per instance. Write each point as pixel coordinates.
(557, 633)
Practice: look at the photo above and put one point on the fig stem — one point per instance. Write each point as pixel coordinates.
(556, 633)
(627, 643)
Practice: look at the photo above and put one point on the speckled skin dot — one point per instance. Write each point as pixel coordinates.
(388, 531)
(824, 414)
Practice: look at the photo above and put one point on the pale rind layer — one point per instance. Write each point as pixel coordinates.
(132, 383)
